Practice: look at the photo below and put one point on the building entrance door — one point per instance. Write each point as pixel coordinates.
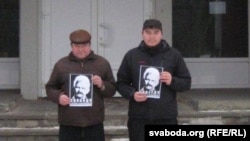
(115, 26)
(119, 27)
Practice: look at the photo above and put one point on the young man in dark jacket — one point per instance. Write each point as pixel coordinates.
(81, 120)
(149, 107)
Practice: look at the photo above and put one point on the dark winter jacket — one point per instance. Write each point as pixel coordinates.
(128, 80)
(59, 81)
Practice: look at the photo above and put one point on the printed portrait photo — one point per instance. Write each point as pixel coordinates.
(81, 90)
(149, 81)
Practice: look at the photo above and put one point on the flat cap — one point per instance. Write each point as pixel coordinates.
(80, 36)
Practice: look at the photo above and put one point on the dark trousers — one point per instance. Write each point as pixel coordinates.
(74, 133)
(136, 127)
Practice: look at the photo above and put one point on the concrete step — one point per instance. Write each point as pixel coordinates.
(50, 121)
(36, 120)
(216, 99)
(51, 133)
(10, 99)
(120, 139)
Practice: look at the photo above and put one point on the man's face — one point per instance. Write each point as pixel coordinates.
(80, 51)
(82, 88)
(152, 36)
(151, 81)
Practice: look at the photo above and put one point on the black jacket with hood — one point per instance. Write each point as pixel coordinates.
(160, 56)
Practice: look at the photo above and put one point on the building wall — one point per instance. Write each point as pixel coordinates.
(29, 49)
(31, 62)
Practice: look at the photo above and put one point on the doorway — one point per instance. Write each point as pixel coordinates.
(113, 28)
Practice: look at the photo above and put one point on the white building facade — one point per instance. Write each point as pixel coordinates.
(116, 26)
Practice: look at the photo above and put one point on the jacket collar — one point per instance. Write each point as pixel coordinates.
(91, 56)
(164, 46)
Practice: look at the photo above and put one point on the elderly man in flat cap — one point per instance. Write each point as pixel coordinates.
(80, 123)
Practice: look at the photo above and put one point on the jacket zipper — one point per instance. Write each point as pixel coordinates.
(81, 64)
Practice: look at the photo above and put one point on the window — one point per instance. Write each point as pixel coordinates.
(9, 28)
(211, 28)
